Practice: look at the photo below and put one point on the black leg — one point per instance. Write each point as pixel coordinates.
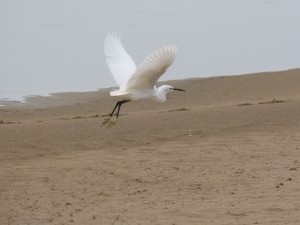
(112, 113)
(119, 106)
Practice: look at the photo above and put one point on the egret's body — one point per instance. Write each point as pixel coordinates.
(137, 83)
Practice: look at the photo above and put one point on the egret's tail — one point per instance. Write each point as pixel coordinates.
(118, 93)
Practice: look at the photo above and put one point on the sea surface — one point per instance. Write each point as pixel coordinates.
(57, 45)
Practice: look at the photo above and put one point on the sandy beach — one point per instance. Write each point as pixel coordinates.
(226, 151)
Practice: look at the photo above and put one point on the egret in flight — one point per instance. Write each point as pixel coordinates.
(136, 83)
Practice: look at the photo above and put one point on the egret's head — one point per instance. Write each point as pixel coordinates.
(163, 90)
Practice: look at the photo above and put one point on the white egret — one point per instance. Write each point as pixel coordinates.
(136, 83)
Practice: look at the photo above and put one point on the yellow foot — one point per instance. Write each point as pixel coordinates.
(106, 120)
(110, 121)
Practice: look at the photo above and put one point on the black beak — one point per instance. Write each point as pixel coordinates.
(177, 89)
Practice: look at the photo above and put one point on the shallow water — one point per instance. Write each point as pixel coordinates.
(55, 46)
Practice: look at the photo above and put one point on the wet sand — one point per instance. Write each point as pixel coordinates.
(227, 151)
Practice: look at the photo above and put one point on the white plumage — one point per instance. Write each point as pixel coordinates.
(137, 83)
(119, 62)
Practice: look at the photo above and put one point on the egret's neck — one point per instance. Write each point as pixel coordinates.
(160, 94)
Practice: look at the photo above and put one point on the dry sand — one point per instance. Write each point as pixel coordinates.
(224, 152)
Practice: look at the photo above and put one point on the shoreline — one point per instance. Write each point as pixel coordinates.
(34, 99)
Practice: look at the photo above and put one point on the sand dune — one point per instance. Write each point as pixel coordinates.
(224, 152)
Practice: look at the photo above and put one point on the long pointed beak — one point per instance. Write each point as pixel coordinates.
(177, 89)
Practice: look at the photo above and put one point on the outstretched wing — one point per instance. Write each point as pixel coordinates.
(118, 61)
(152, 68)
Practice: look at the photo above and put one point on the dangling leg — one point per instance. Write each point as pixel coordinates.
(111, 114)
(121, 103)
(118, 105)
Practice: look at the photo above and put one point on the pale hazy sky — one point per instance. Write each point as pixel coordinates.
(57, 45)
